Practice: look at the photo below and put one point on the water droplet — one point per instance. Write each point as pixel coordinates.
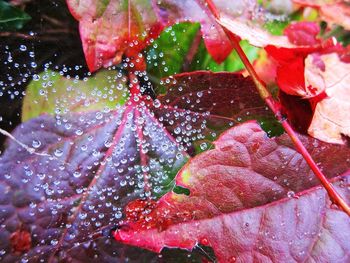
(41, 176)
(22, 48)
(76, 174)
(203, 146)
(36, 144)
(118, 215)
(290, 194)
(83, 216)
(156, 103)
(58, 152)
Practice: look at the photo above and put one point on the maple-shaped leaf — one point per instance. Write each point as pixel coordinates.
(60, 201)
(332, 11)
(331, 121)
(251, 199)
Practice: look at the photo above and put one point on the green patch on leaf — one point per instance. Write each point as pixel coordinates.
(55, 94)
(167, 54)
(272, 127)
(203, 60)
(181, 190)
(11, 18)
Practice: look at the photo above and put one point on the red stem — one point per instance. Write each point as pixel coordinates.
(276, 108)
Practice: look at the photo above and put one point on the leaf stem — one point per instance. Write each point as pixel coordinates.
(276, 108)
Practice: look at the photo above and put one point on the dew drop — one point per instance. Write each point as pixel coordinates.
(76, 174)
(22, 48)
(58, 152)
(290, 194)
(36, 144)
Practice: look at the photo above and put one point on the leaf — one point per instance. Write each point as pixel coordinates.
(316, 81)
(242, 18)
(108, 29)
(12, 18)
(266, 67)
(54, 94)
(298, 111)
(87, 166)
(331, 121)
(337, 14)
(251, 199)
(304, 35)
(333, 12)
(314, 3)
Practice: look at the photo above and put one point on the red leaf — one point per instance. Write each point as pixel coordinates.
(218, 100)
(314, 3)
(292, 84)
(248, 201)
(304, 35)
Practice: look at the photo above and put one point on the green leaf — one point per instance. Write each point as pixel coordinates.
(203, 61)
(11, 18)
(54, 94)
(166, 55)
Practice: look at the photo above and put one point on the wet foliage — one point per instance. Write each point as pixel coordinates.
(119, 143)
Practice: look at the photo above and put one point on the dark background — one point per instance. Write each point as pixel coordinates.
(51, 36)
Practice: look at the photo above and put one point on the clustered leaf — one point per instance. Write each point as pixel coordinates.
(111, 171)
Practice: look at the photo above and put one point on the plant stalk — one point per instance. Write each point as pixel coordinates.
(276, 109)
